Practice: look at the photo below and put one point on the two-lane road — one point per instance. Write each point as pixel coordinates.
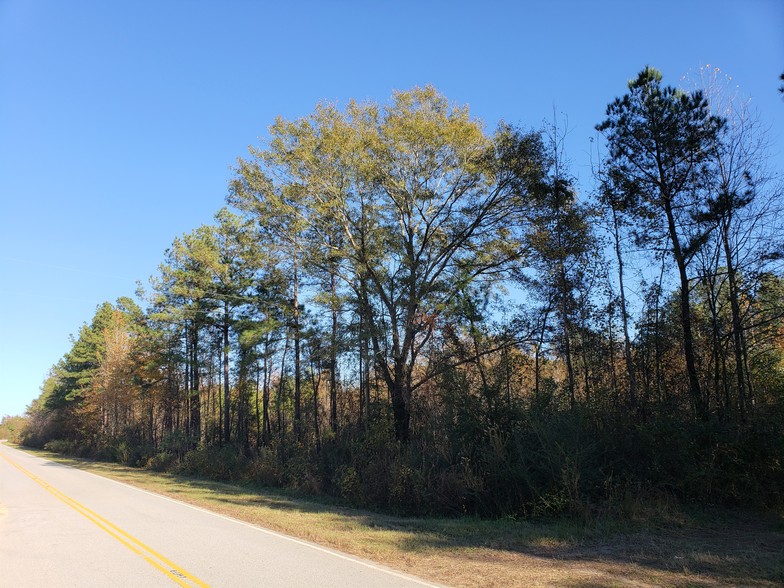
(60, 526)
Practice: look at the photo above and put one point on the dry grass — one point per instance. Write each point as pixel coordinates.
(669, 548)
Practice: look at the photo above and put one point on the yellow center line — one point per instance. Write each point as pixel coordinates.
(172, 570)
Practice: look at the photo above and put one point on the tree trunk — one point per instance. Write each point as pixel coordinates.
(316, 383)
(265, 400)
(279, 407)
(658, 336)
(400, 395)
(537, 355)
(715, 340)
(737, 327)
(297, 375)
(333, 359)
(685, 307)
(627, 346)
(364, 351)
(226, 389)
(586, 368)
(567, 344)
(362, 360)
(258, 411)
(195, 393)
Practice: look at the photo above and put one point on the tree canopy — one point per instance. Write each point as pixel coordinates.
(412, 312)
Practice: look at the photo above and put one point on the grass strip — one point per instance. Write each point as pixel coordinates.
(651, 545)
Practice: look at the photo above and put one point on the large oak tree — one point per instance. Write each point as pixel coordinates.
(424, 200)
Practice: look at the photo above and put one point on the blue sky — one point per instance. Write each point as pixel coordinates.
(120, 121)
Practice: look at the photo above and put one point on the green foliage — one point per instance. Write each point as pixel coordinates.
(161, 462)
(175, 443)
(347, 483)
(213, 463)
(264, 468)
(12, 428)
(353, 335)
(62, 446)
(80, 365)
(407, 204)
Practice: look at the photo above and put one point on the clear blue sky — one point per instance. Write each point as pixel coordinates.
(120, 121)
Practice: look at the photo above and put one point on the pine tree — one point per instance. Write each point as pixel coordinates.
(659, 141)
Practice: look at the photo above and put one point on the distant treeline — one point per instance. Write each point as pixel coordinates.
(403, 310)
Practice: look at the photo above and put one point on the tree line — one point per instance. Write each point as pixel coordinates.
(402, 309)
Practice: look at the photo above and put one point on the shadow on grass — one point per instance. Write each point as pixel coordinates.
(733, 547)
(738, 547)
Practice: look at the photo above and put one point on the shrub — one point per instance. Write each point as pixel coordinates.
(347, 483)
(263, 469)
(214, 463)
(62, 446)
(161, 462)
(408, 492)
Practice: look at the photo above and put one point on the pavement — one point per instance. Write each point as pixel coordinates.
(60, 526)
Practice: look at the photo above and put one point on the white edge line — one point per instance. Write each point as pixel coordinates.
(315, 546)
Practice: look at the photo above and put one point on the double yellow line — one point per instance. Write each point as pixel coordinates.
(155, 559)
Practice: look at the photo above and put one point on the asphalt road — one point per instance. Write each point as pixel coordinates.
(60, 526)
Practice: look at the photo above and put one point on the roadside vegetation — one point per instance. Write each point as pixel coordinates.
(639, 543)
(12, 428)
(407, 313)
